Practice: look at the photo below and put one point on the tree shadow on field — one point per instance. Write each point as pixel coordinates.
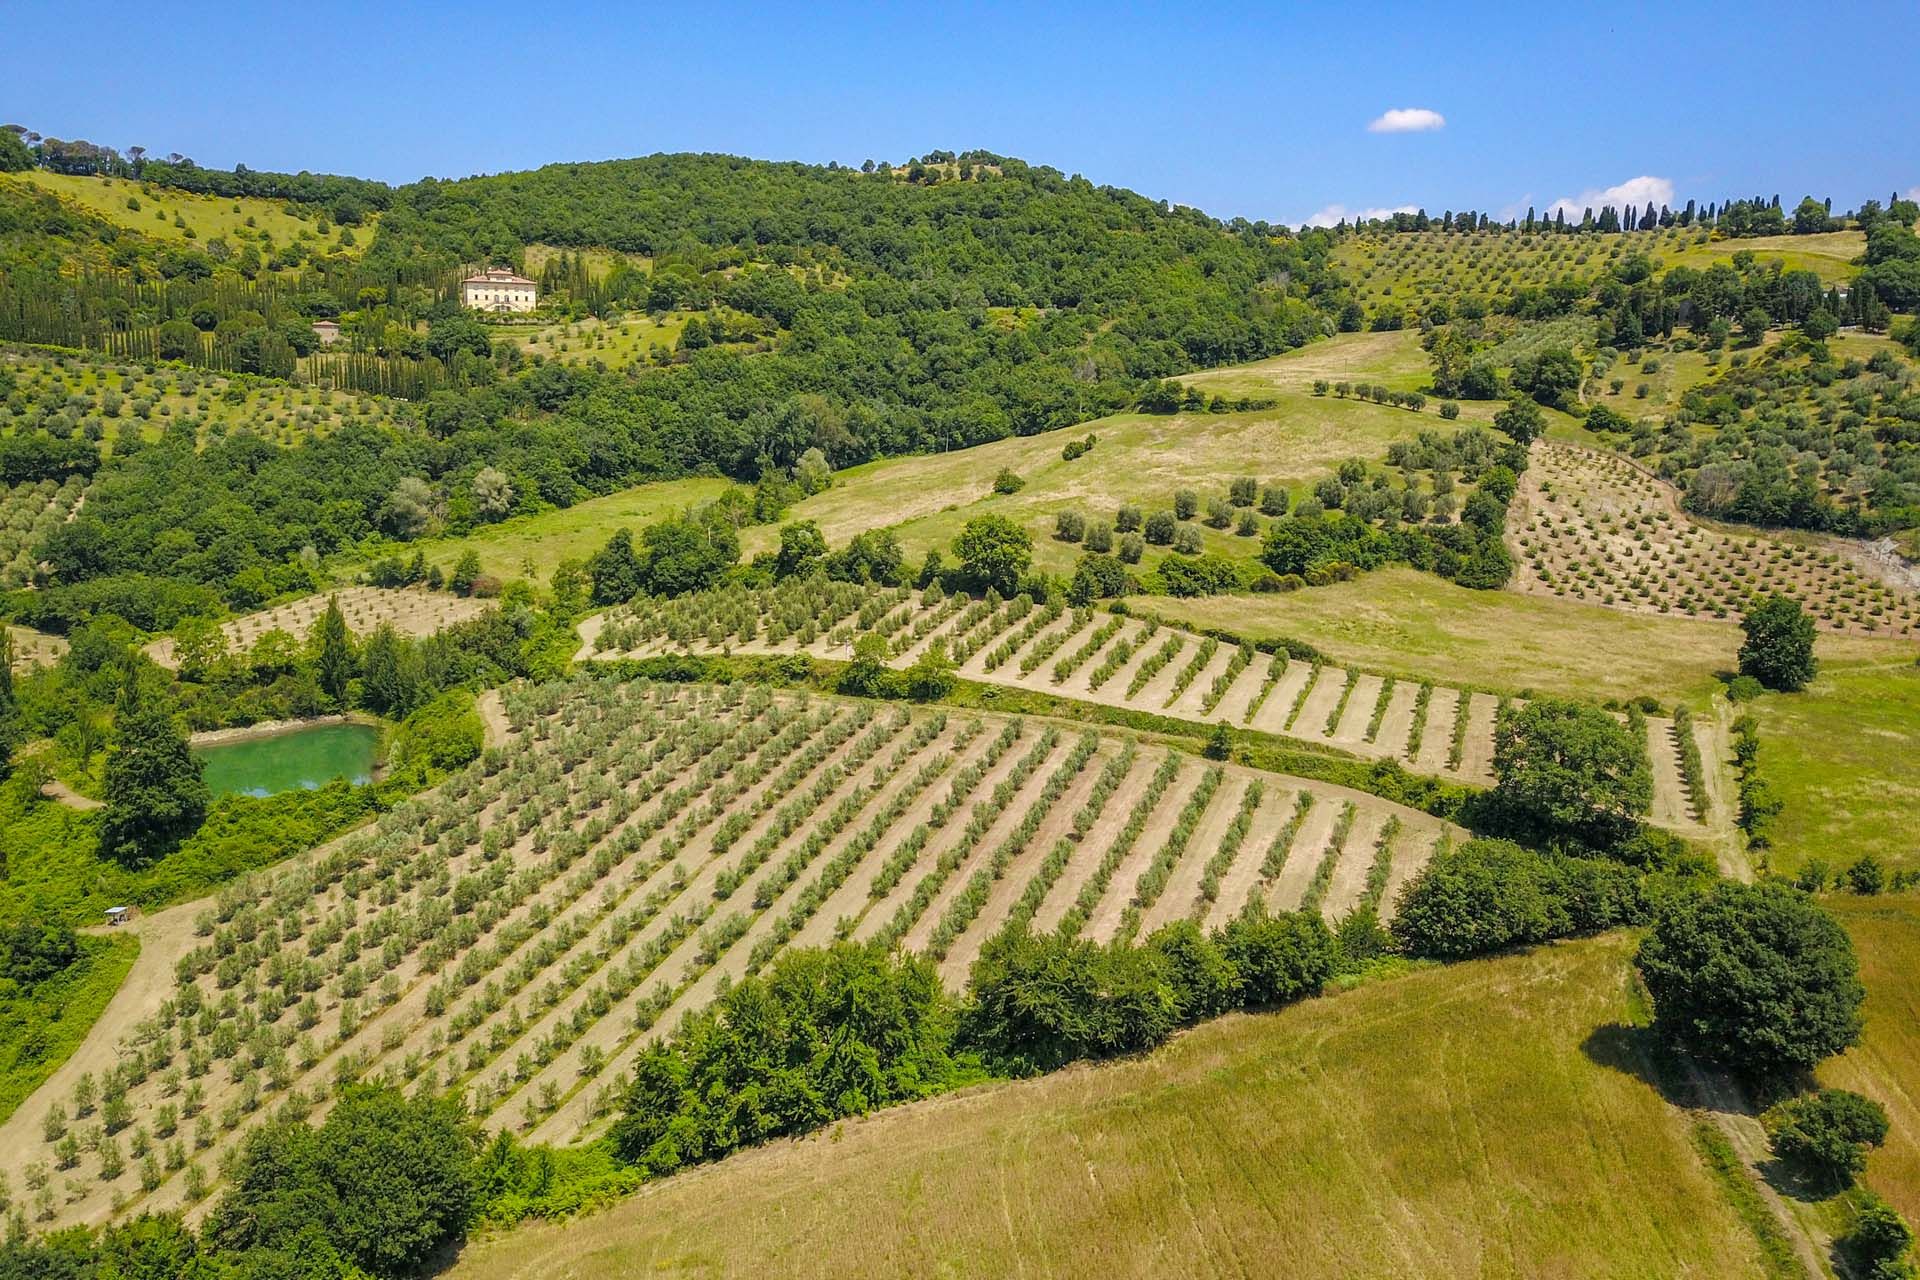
(1639, 1052)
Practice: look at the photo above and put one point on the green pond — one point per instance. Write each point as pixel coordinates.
(310, 757)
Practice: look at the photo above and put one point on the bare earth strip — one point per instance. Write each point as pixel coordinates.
(1003, 825)
(1177, 900)
(1303, 859)
(1356, 859)
(1325, 696)
(1244, 872)
(1007, 889)
(882, 911)
(1443, 706)
(1099, 839)
(851, 899)
(1105, 920)
(1414, 850)
(1397, 725)
(1476, 754)
(1191, 705)
(1352, 729)
(1232, 706)
(1669, 787)
(1272, 716)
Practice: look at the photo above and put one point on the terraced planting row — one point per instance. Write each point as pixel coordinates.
(519, 935)
(1127, 662)
(1588, 525)
(412, 611)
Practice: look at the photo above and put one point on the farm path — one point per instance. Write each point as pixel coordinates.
(1731, 1113)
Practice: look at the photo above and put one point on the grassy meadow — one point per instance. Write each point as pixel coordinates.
(1886, 1063)
(534, 545)
(1140, 459)
(1841, 755)
(1369, 1133)
(169, 214)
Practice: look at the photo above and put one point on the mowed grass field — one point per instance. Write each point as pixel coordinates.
(535, 545)
(1372, 1133)
(1886, 1063)
(205, 216)
(1140, 459)
(1829, 254)
(1842, 756)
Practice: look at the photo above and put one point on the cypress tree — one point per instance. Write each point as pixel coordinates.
(333, 652)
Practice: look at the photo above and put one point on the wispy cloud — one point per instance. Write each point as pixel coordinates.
(1335, 213)
(1913, 193)
(1408, 120)
(1637, 191)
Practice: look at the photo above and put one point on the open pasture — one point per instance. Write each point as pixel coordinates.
(533, 546)
(1138, 665)
(1484, 1119)
(1592, 526)
(519, 935)
(412, 611)
(1140, 459)
(166, 213)
(34, 648)
(100, 398)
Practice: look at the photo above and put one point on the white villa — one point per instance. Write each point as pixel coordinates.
(497, 289)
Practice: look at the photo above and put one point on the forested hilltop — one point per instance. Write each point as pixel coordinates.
(890, 312)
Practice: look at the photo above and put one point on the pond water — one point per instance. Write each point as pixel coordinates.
(309, 758)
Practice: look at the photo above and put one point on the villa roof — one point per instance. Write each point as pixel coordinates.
(496, 275)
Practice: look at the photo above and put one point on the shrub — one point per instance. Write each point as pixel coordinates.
(1827, 1133)
(1069, 526)
(1099, 536)
(1243, 491)
(1879, 1240)
(1273, 500)
(1219, 513)
(1203, 979)
(387, 1180)
(1185, 503)
(1187, 540)
(1008, 482)
(1159, 528)
(1277, 958)
(1132, 547)
(1483, 896)
(1756, 978)
(1127, 519)
(1867, 876)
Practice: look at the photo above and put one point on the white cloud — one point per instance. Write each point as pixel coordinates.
(1913, 193)
(1334, 213)
(1635, 191)
(1407, 120)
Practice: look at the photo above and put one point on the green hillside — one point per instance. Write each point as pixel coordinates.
(1480, 1120)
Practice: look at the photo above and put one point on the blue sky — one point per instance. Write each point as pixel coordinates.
(1254, 110)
